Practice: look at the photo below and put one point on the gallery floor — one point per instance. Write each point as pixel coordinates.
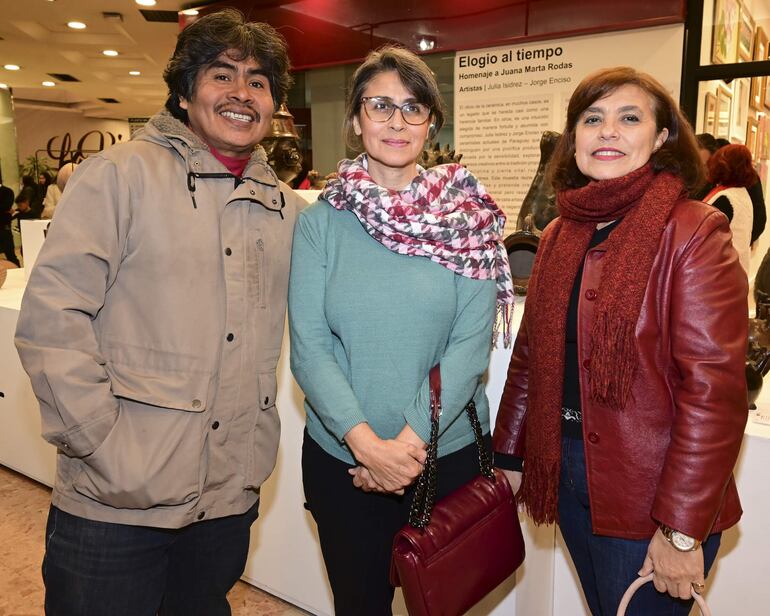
(23, 511)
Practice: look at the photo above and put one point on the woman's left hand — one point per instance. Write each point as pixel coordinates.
(363, 479)
(673, 571)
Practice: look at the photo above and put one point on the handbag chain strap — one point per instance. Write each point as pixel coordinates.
(425, 491)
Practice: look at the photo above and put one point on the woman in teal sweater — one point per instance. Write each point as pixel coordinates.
(394, 269)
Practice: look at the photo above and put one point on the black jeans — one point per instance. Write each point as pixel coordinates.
(102, 569)
(356, 528)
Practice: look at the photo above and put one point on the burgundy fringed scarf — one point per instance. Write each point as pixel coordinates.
(644, 200)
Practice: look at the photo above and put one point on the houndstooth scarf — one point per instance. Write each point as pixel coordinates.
(445, 214)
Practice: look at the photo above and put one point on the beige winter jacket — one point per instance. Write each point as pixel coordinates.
(151, 328)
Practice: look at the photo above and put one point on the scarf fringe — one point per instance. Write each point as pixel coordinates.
(614, 360)
(503, 325)
(540, 490)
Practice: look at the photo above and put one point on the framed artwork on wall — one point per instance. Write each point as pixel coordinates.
(724, 42)
(764, 138)
(741, 110)
(760, 137)
(724, 102)
(758, 84)
(745, 36)
(752, 128)
(710, 114)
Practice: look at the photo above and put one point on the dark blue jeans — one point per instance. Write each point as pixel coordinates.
(102, 569)
(607, 565)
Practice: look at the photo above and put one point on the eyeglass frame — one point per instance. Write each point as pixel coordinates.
(394, 107)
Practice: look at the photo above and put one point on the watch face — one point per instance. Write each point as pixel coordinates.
(682, 542)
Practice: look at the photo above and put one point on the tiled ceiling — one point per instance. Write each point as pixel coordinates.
(35, 37)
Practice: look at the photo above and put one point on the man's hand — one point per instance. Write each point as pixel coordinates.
(391, 465)
(673, 571)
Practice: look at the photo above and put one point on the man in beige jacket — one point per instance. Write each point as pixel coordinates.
(151, 328)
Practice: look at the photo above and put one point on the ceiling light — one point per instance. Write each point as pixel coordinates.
(49, 84)
(76, 25)
(146, 2)
(426, 43)
(110, 52)
(134, 73)
(190, 12)
(11, 67)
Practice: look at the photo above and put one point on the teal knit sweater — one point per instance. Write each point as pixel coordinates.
(366, 326)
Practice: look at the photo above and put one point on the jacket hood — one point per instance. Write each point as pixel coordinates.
(164, 129)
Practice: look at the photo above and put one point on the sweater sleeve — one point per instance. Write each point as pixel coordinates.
(312, 354)
(464, 360)
(757, 194)
(723, 205)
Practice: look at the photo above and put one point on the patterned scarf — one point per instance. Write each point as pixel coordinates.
(644, 200)
(445, 214)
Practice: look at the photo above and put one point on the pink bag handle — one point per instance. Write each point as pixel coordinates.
(641, 581)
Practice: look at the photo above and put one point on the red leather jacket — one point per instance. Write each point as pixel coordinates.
(668, 456)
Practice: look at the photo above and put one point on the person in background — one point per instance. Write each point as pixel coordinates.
(732, 173)
(151, 328)
(707, 147)
(628, 368)
(24, 207)
(30, 193)
(6, 217)
(52, 196)
(394, 269)
(64, 175)
(55, 189)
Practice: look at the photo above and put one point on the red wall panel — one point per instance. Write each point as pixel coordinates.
(327, 32)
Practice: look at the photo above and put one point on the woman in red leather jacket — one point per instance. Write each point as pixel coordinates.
(625, 401)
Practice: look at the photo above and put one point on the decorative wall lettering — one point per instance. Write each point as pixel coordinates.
(91, 142)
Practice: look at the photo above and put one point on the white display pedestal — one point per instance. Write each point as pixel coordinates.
(285, 558)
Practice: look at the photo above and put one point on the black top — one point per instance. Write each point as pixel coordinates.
(758, 205)
(757, 196)
(572, 423)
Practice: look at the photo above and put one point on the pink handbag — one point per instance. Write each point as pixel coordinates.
(637, 583)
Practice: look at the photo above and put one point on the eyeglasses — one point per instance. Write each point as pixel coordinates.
(381, 109)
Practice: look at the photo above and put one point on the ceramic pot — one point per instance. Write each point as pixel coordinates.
(521, 247)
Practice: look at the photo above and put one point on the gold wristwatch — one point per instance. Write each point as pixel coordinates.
(680, 541)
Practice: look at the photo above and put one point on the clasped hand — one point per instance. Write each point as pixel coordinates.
(386, 465)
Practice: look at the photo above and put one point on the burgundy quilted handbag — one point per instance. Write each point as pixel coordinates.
(452, 554)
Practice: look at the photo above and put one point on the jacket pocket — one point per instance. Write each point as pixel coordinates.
(265, 434)
(152, 455)
(163, 379)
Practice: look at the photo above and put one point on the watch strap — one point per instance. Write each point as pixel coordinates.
(669, 533)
